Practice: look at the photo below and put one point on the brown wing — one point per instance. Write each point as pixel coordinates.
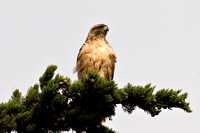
(108, 66)
(82, 63)
(111, 66)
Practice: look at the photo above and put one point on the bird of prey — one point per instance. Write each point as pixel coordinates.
(96, 54)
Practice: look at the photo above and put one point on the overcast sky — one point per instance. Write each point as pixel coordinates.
(155, 41)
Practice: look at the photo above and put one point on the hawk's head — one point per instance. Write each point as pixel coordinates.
(98, 30)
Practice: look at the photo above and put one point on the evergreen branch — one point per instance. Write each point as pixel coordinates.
(144, 98)
(82, 105)
(48, 75)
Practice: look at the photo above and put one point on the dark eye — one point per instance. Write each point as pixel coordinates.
(100, 27)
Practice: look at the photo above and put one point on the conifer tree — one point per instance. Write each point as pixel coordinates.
(57, 104)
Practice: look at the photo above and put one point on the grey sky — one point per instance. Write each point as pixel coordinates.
(155, 41)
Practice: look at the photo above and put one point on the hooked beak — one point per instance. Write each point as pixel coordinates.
(106, 28)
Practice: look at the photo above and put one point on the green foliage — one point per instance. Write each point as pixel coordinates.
(100, 129)
(56, 104)
(47, 76)
(153, 104)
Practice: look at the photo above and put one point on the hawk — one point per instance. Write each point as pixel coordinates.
(96, 54)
